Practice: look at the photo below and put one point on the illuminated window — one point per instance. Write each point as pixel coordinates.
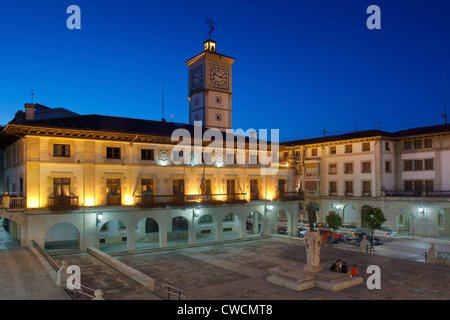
(61, 150)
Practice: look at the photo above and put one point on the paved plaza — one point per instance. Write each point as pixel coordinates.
(227, 271)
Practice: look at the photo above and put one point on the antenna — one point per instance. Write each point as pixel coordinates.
(163, 119)
(445, 102)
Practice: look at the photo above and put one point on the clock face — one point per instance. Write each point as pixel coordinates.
(197, 77)
(218, 76)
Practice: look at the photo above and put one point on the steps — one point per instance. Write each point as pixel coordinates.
(294, 277)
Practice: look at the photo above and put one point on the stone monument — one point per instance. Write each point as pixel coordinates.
(312, 243)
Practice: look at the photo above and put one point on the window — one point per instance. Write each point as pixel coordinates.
(218, 117)
(147, 154)
(311, 185)
(218, 99)
(407, 165)
(205, 186)
(407, 145)
(348, 148)
(387, 146)
(366, 188)
(333, 188)
(366, 167)
(314, 152)
(418, 185)
(333, 150)
(348, 187)
(428, 143)
(408, 185)
(147, 187)
(418, 165)
(417, 144)
(113, 197)
(112, 153)
(61, 150)
(387, 166)
(428, 164)
(332, 168)
(348, 167)
(429, 185)
(366, 146)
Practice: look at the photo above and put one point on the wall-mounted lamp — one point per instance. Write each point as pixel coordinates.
(197, 212)
(421, 211)
(269, 207)
(99, 217)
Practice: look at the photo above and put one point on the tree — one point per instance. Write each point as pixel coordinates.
(334, 221)
(374, 219)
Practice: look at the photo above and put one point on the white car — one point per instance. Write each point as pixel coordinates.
(302, 232)
(385, 231)
(349, 228)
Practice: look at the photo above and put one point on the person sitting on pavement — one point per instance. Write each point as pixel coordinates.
(344, 267)
(354, 271)
(335, 267)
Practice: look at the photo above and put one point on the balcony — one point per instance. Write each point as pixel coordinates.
(159, 201)
(62, 203)
(289, 196)
(418, 193)
(12, 202)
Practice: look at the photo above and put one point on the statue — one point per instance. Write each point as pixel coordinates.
(311, 216)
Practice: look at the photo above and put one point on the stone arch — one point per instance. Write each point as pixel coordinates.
(254, 223)
(443, 222)
(62, 235)
(113, 235)
(349, 214)
(283, 222)
(206, 228)
(147, 233)
(232, 226)
(364, 213)
(178, 230)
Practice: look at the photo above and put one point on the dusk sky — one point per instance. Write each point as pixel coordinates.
(301, 66)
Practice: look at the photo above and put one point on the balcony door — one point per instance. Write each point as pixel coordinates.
(231, 189)
(113, 197)
(254, 187)
(61, 191)
(178, 190)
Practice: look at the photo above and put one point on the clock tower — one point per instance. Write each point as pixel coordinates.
(210, 88)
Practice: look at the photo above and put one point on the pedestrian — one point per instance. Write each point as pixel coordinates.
(354, 271)
(335, 267)
(344, 267)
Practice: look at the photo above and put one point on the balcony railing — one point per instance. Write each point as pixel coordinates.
(63, 201)
(160, 200)
(289, 196)
(17, 202)
(419, 193)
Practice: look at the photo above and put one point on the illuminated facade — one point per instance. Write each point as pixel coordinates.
(404, 173)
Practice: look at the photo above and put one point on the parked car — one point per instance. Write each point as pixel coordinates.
(385, 231)
(303, 223)
(321, 225)
(357, 240)
(328, 234)
(302, 231)
(349, 228)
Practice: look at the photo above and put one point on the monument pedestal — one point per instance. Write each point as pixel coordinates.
(312, 243)
(301, 277)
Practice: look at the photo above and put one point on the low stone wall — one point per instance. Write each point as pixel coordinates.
(130, 272)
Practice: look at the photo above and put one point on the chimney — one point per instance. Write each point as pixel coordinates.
(29, 111)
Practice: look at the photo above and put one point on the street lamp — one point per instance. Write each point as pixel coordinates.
(99, 217)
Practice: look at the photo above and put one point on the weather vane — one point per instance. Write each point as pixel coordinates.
(210, 23)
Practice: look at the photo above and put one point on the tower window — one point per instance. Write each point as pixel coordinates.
(218, 117)
(218, 100)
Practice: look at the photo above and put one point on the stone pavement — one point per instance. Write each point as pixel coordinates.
(229, 271)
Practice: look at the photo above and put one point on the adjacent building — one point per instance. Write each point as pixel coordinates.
(404, 173)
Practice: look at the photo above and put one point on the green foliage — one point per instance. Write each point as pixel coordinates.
(375, 218)
(334, 221)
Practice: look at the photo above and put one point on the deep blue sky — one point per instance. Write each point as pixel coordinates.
(301, 66)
